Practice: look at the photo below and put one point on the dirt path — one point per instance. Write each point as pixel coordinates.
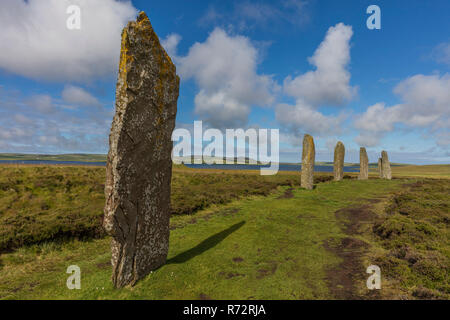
(343, 279)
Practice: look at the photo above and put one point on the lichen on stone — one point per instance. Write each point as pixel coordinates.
(139, 165)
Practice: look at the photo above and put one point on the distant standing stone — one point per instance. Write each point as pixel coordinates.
(363, 164)
(308, 158)
(139, 165)
(338, 167)
(380, 172)
(385, 166)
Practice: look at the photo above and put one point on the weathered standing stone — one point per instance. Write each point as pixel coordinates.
(139, 166)
(380, 172)
(308, 158)
(385, 166)
(363, 164)
(338, 166)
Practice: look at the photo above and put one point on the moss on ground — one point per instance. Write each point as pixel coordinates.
(412, 241)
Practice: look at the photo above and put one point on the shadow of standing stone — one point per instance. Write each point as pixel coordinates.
(205, 245)
(139, 165)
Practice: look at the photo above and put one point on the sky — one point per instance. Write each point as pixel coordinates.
(300, 66)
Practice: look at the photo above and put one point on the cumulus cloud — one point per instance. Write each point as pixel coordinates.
(42, 124)
(302, 117)
(369, 139)
(426, 100)
(378, 118)
(38, 44)
(170, 44)
(225, 70)
(42, 103)
(78, 96)
(20, 118)
(425, 105)
(328, 84)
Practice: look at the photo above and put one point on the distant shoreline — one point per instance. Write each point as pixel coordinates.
(101, 159)
(52, 163)
(281, 166)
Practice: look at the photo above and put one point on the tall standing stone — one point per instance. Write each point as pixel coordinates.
(363, 164)
(385, 166)
(338, 166)
(139, 166)
(308, 158)
(380, 171)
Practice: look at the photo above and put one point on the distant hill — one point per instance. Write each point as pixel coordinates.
(235, 160)
(55, 157)
(83, 157)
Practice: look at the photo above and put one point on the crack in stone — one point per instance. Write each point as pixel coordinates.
(146, 105)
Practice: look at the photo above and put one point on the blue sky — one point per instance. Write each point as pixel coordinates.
(299, 66)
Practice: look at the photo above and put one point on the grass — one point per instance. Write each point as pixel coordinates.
(236, 235)
(42, 203)
(256, 248)
(411, 242)
(429, 171)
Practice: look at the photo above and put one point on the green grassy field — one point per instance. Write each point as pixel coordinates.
(40, 203)
(430, 171)
(270, 240)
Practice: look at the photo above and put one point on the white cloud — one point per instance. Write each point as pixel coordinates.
(42, 103)
(170, 44)
(426, 98)
(20, 118)
(330, 82)
(38, 44)
(369, 139)
(220, 109)
(41, 124)
(78, 96)
(378, 118)
(425, 105)
(224, 68)
(303, 116)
